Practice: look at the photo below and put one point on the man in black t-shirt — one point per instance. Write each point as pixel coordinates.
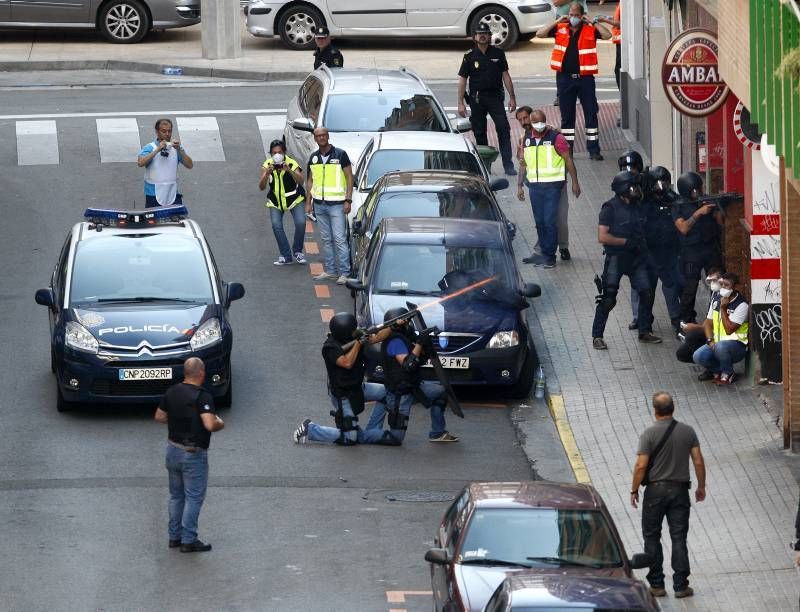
(188, 411)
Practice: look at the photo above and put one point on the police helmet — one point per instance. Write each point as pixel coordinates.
(278, 143)
(624, 182)
(688, 182)
(342, 326)
(660, 173)
(481, 28)
(631, 160)
(393, 313)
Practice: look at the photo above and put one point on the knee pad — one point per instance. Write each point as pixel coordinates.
(397, 420)
(609, 301)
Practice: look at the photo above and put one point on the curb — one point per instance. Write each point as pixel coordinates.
(199, 71)
(555, 403)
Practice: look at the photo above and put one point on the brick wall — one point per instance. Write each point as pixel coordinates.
(733, 34)
(790, 262)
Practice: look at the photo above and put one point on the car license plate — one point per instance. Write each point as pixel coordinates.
(145, 373)
(453, 363)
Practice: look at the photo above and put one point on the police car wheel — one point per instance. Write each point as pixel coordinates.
(505, 31)
(297, 26)
(62, 405)
(124, 21)
(226, 400)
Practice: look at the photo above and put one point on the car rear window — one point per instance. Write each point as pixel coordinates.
(456, 203)
(389, 160)
(383, 112)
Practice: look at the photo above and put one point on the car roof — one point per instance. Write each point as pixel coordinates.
(447, 230)
(533, 588)
(534, 494)
(86, 231)
(431, 180)
(359, 80)
(413, 141)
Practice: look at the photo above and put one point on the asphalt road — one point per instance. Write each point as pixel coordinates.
(83, 495)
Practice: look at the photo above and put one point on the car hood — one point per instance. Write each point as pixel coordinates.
(455, 315)
(156, 326)
(477, 583)
(352, 142)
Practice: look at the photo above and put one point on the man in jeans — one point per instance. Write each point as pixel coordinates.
(665, 465)
(546, 160)
(329, 193)
(188, 411)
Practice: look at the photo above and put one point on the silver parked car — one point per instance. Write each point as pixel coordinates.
(119, 21)
(295, 21)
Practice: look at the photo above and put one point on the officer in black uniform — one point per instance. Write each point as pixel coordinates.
(402, 355)
(699, 227)
(326, 53)
(621, 232)
(487, 70)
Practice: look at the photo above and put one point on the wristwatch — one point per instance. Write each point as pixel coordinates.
(634, 492)
(348, 200)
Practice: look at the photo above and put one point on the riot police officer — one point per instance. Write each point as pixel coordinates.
(487, 70)
(621, 232)
(326, 53)
(699, 227)
(402, 355)
(631, 161)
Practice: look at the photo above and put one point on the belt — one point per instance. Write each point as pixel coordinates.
(188, 449)
(328, 202)
(678, 483)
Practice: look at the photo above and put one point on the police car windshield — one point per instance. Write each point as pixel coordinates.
(383, 112)
(431, 262)
(389, 160)
(461, 203)
(131, 267)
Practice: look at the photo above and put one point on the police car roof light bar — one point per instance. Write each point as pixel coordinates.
(135, 218)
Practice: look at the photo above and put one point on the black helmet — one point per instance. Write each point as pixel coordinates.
(631, 160)
(660, 173)
(278, 143)
(624, 182)
(393, 313)
(481, 28)
(688, 182)
(342, 326)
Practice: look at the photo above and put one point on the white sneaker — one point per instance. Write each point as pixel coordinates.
(300, 258)
(325, 276)
(281, 261)
(342, 279)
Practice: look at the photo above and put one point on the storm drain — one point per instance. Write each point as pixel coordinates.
(419, 496)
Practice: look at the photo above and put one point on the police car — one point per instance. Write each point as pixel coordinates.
(132, 296)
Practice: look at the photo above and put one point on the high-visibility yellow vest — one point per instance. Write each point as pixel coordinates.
(284, 192)
(542, 161)
(740, 333)
(329, 182)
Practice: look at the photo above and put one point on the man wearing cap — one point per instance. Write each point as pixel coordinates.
(326, 53)
(487, 70)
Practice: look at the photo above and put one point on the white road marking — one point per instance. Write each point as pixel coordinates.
(165, 113)
(37, 143)
(118, 139)
(270, 127)
(200, 136)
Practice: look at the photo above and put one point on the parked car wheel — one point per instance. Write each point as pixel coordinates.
(124, 21)
(297, 26)
(505, 32)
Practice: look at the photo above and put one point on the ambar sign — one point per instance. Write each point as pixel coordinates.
(690, 73)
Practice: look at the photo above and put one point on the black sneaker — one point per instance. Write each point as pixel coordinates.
(649, 338)
(532, 258)
(633, 324)
(706, 375)
(596, 156)
(510, 171)
(565, 255)
(196, 546)
(687, 592)
(599, 344)
(174, 543)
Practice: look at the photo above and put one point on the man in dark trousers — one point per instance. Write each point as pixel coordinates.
(188, 411)
(662, 466)
(574, 59)
(487, 70)
(326, 53)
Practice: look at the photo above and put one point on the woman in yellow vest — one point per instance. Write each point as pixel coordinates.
(726, 328)
(284, 177)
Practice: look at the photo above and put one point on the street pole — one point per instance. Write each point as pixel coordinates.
(221, 29)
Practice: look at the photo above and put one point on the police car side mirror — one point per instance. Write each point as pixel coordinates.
(46, 297)
(303, 124)
(437, 556)
(531, 290)
(461, 125)
(235, 292)
(354, 284)
(498, 184)
(640, 561)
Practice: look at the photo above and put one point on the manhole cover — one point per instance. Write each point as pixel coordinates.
(419, 496)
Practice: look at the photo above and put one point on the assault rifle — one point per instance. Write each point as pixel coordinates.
(720, 199)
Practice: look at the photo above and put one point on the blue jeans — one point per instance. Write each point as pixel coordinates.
(188, 480)
(373, 392)
(432, 390)
(299, 217)
(332, 223)
(544, 202)
(720, 359)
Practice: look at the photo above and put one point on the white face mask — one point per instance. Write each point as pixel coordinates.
(713, 285)
(539, 127)
(575, 21)
(725, 292)
(277, 159)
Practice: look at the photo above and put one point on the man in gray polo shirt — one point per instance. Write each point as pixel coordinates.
(667, 492)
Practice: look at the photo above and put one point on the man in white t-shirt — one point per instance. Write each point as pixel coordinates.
(160, 160)
(726, 327)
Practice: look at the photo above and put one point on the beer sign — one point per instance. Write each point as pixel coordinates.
(690, 73)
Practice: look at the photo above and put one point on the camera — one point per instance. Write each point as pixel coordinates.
(165, 151)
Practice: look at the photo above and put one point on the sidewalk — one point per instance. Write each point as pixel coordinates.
(739, 536)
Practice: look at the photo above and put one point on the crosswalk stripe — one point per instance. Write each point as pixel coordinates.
(37, 143)
(200, 136)
(270, 127)
(118, 139)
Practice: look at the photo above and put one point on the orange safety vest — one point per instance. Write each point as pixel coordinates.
(587, 48)
(616, 31)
